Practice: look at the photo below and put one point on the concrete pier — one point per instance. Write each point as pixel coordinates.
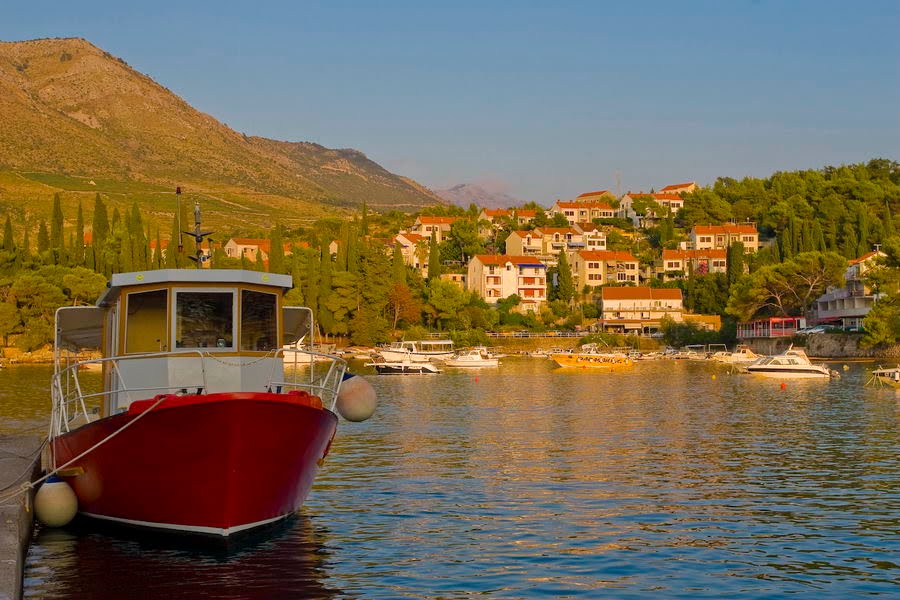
(19, 462)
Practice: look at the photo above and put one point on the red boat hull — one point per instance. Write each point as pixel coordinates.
(216, 463)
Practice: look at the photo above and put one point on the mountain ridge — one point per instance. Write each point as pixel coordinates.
(71, 109)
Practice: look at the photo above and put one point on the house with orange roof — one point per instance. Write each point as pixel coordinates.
(597, 196)
(582, 211)
(238, 247)
(599, 267)
(414, 249)
(680, 188)
(547, 242)
(497, 215)
(847, 306)
(439, 227)
(494, 277)
(677, 264)
(704, 237)
(639, 309)
(593, 236)
(206, 249)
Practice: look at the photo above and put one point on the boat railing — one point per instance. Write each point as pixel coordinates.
(70, 399)
(321, 376)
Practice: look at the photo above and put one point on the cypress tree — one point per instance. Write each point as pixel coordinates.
(43, 241)
(57, 243)
(398, 267)
(276, 252)
(353, 252)
(734, 263)
(9, 244)
(818, 239)
(258, 262)
(364, 221)
(78, 244)
(100, 226)
(434, 259)
(889, 229)
(158, 256)
(565, 284)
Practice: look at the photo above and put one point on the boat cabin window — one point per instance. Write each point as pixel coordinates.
(145, 324)
(204, 319)
(259, 327)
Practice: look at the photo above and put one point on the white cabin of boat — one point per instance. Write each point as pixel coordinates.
(185, 331)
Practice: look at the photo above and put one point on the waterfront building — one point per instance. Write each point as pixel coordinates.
(599, 267)
(770, 327)
(846, 306)
(494, 277)
(678, 264)
(638, 309)
(704, 237)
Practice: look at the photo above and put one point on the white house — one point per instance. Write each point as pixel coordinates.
(494, 277)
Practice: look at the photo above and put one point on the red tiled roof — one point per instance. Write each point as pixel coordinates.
(415, 238)
(523, 234)
(688, 254)
(607, 255)
(437, 220)
(671, 197)
(552, 230)
(727, 228)
(865, 257)
(502, 259)
(677, 186)
(639, 293)
(597, 205)
(597, 193)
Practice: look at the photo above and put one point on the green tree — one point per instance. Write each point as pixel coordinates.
(734, 261)
(78, 246)
(43, 240)
(565, 284)
(9, 320)
(447, 299)
(9, 243)
(434, 259)
(83, 285)
(57, 242)
(276, 252)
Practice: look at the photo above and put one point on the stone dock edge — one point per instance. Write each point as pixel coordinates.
(20, 461)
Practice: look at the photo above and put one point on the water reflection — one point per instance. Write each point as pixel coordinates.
(670, 479)
(90, 560)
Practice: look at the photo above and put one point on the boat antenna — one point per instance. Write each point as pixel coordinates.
(178, 219)
(198, 234)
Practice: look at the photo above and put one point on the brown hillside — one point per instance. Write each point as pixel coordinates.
(69, 108)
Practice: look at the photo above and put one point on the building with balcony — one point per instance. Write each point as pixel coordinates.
(679, 188)
(439, 227)
(582, 211)
(600, 267)
(678, 264)
(414, 249)
(848, 305)
(704, 237)
(638, 309)
(494, 277)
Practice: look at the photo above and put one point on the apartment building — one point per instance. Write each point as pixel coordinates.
(494, 277)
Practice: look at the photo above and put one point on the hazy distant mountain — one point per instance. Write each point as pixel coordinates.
(70, 110)
(465, 194)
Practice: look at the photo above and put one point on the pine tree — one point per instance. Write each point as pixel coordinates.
(9, 244)
(276, 252)
(818, 237)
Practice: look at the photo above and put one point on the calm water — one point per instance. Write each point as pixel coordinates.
(675, 479)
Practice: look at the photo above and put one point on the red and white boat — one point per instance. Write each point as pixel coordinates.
(197, 427)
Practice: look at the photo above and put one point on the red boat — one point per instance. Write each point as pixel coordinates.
(199, 426)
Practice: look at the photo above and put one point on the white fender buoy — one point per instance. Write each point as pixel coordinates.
(356, 401)
(55, 504)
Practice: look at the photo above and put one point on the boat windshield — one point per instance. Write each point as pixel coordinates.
(259, 326)
(204, 319)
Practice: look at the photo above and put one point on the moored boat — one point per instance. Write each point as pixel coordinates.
(417, 350)
(591, 356)
(885, 377)
(790, 364)
(401, 367)
(742, 355)
(478, 356)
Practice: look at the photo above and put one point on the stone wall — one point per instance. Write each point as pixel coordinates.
(826, 345)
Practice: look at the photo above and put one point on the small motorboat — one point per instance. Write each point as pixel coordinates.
(401, 367)
(790, 364)
(742, 355)
(591, 356)
(418, 350)
(885, 377)
(478, 356)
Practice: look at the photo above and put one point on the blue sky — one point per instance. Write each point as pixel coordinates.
(542, 100)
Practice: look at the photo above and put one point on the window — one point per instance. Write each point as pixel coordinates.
(204, 319)
(145, 323)
(259, 326)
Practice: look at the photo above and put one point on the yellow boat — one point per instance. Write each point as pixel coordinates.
(590, 356)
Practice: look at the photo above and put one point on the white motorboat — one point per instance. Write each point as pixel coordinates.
(790, 364)
(418, 350)
(473, 357)
(885, 377)
(742, 355)
(300, 353)
(383, 366)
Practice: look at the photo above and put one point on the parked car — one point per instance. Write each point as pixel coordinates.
(817, 329)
